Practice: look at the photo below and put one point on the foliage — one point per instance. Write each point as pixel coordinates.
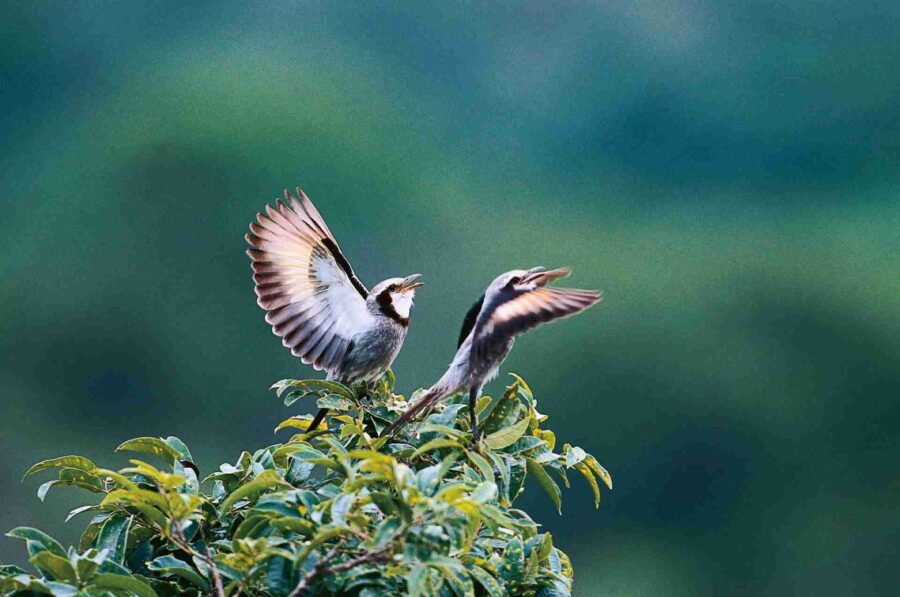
(336, 510)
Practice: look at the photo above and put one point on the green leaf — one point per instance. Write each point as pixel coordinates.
(455, 576)
(341, 506)
(105, 580)
(294, 525)
(120, 479)
(304, 387)
(335, 402)
(574, 455)
(151, 505)
(588, 474)
(547, 484)
(44, 488)
(80, 478)
(80, 510)
(516, 478)
(487, 472)
(508, 436)
(86, 565)
(523, 387)
(500, 463)
(279, 576)
(150, 445)
(39, 537)
(435, 444)
(524, 444)
(599, 470)
(418, 583)
(10, 570)
(485, 492)
(79, 462)
(180, 446)
(264, 480)
(54, 566)
(113, 536)
(487, 581)
(513, 567)
(176, 567)
(297, 422)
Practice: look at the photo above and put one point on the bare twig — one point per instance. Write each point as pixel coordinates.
(179, 538)
(321, 568)
(307, 580)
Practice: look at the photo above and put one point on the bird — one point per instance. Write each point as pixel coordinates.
(315, 302)
(513, 303)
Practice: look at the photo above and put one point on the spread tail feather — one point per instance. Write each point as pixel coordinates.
(427, 401)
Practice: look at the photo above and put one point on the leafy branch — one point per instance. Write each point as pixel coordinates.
(331, 510)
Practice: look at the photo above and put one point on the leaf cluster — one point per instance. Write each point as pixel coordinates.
(333, 510)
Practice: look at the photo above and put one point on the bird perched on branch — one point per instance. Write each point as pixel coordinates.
(316, 304)
(514, 303)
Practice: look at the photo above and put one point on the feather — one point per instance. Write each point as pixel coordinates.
(314, 301)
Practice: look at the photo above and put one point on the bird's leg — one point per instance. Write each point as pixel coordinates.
(473, 417)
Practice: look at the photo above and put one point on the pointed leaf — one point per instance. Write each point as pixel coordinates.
(171, 565)
(508, 436)
(150, 445)
(41, 538)
(79, 462)
(599, 470)
(54, 566)
(435, 444)
(264, 480)
(588, 474)
(106, 580)
(113, 536)
(547, 484)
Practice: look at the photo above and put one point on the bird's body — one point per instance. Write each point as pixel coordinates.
(371, 352)
(316, 304)
(514, 303)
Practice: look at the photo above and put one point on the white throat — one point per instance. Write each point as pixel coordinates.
(402, 302)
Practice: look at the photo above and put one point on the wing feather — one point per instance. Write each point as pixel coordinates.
(313, 299)
(524, 310)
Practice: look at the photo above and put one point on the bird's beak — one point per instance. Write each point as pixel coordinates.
(409, 283)
(541, 277)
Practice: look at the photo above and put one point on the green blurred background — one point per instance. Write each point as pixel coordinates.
(726, 172)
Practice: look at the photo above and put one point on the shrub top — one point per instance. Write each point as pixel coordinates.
(331, 510)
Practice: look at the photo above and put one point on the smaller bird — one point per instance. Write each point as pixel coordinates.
(315, 302)
(515, 302)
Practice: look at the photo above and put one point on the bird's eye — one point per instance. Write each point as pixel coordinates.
(513, 281)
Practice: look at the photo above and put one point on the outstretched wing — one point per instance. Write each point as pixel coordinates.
(523, 310)
(315, 302)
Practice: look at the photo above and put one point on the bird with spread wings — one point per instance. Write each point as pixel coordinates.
(315, 302)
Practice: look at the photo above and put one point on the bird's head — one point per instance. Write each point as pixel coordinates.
(527, 279)
(394, 296)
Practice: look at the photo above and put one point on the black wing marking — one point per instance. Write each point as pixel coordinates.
(470, 319)
(345, 265)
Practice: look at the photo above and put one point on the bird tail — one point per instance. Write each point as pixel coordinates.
(428, 400)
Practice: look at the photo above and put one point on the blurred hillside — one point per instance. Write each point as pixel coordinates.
(726, 173)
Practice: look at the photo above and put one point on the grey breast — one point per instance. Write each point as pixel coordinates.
(373, 351)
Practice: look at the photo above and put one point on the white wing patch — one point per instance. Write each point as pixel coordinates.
(313, 300)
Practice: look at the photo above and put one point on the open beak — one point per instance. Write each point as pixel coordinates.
(541, 277)
(409, 283)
